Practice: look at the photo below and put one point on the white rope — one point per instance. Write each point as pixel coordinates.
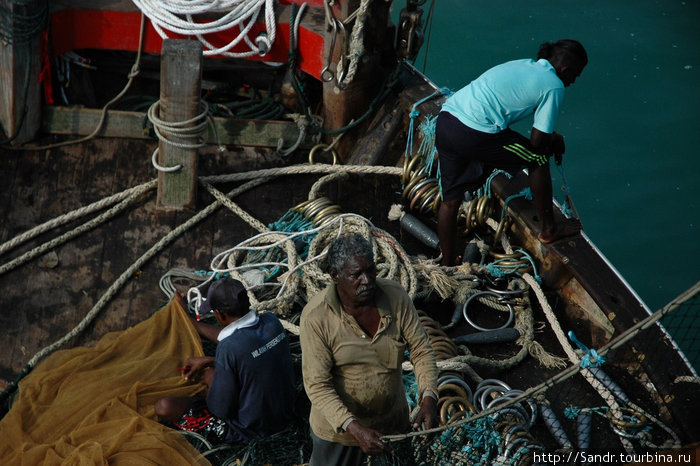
(192, 129)
(70, 216)
(179, 16)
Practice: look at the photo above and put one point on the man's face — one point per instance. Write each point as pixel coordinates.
(569, 73)
(356, 281)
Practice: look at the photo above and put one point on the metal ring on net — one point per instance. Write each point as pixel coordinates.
(318, 211)
(476, 212)
(408, 165)
(324, 147)
(453, 379)
(421, 191)
(482, 329)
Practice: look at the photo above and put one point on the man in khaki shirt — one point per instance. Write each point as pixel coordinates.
(353, 337)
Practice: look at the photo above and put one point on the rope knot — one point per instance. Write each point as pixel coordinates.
(591, 357)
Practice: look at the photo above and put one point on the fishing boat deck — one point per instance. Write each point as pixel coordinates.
(47, 296)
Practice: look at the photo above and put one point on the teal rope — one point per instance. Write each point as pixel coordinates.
(592, 358)
(486, 189)
(565, 207)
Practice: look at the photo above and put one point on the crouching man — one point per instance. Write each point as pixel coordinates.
(250, 382)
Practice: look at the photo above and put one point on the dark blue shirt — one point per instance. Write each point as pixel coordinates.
(253, 388)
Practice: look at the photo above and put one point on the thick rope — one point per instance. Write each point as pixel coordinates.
(69, 217)
(357, 46)
(135, 194)
(604, 392)
(178, 17)
(125, 277)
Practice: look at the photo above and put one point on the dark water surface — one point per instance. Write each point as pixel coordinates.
(632, 135)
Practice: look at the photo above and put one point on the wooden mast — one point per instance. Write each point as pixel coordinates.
(20, 94)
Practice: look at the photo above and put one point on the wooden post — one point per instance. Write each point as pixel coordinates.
(20, 93)
(343, 105)
(180, 89)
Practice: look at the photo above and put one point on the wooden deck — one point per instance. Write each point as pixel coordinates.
(46, 297)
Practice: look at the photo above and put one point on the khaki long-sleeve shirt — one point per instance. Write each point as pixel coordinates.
(348, 374)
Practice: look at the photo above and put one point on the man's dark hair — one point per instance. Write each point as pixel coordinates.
(569, 49)
(228, 295)
(346, 247)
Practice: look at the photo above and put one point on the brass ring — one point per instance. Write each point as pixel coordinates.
(620, 423)
(412, 183)
(325, 148)
(315, 208)
(407, 168)
(429, 198)
(454, 388)
(326, 211)
(416, 197)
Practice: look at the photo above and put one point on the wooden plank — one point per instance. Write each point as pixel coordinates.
(180, 90)
(20, 92)
(133, 125)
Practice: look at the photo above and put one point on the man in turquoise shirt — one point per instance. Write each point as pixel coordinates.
(473, 134)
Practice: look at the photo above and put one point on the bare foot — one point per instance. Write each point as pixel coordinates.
(569, 227)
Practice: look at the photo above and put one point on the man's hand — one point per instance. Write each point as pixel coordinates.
(193, 366)
(369, 439)
(428, 416)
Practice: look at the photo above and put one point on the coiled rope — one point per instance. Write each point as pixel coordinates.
(180, 17)
(191, 129)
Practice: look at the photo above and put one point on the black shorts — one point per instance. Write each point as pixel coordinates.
(467, 156)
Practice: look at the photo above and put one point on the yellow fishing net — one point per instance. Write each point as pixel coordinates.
(94, 406)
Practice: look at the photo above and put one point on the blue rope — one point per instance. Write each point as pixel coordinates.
(572, 412)
(486, 189)
(565, 207)
(428, 127)
(526, 193)
(587, 361)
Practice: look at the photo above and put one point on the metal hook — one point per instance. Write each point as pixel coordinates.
(343, 57)
(326, 73)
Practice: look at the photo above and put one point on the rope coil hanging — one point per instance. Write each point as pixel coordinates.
(179, 17)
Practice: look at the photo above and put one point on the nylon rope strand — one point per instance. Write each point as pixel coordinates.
(167, 16)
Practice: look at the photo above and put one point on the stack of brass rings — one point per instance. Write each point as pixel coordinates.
(476, 212)
(318, 211)
(443, 346)
(516, 442)
(630, 425)
(421, 191)
(515, 262)
(454, 398)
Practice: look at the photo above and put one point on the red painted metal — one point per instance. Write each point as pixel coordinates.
(299, 2)
(117, 30)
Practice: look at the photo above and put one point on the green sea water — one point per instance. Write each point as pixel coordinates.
(632, 134)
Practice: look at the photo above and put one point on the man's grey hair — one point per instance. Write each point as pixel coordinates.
(347, 247)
